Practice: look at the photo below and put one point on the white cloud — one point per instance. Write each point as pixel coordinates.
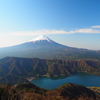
(53, 31)
(86, 31)
(38, 32)
(98, 26)
(45, 32)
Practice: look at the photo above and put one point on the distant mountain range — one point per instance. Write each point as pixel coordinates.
(43, 47)
(17, 70)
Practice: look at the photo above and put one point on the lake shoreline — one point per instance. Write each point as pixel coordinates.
(84, 79)
(33, 78)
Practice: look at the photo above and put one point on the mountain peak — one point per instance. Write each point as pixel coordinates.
(41, 38)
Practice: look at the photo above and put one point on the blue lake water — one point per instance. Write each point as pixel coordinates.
(81, 79)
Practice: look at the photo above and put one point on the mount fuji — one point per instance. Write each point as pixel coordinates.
(43, 47)
(41, 38)
(39, 43)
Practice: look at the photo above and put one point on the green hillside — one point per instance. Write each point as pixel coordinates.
(18, 70)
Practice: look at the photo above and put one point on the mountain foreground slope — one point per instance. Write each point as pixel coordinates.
(30, 91)
(43, 47)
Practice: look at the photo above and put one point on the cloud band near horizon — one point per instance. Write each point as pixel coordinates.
(53, 31)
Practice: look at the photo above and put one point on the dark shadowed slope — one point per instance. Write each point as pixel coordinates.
(29, 91)
(71, 91)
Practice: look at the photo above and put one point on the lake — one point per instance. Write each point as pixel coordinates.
(80, 79)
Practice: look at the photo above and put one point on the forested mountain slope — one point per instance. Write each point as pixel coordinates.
(17, 70)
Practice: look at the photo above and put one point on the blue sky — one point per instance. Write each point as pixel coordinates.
(74, 23)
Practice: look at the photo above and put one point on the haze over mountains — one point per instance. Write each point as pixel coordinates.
(43, 47)
(21, 66)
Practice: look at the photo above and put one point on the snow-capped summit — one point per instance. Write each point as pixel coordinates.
(41, 38)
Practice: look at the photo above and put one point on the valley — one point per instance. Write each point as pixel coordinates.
(17, 70)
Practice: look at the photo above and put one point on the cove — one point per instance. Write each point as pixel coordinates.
(84, 79)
